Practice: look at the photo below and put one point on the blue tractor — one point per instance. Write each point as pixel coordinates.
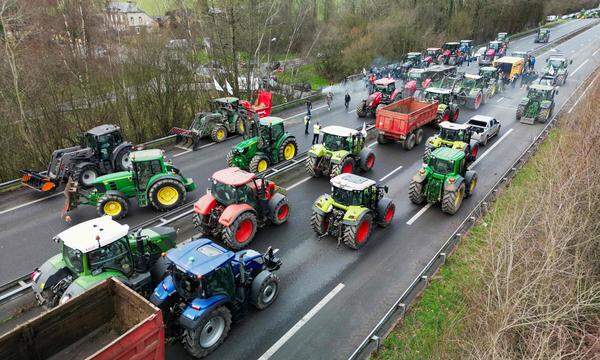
(206, 287)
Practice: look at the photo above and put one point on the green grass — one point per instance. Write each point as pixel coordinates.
(303, 74)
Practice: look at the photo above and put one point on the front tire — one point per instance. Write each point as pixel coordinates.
(319, 223)
(166, 194)
(114, 206)
(265, 288)
(311, 167)
(85, 175)
(218, 134)
(210, 333)
(258, 164)
(229, 158)
(241, 232)
(288, 149)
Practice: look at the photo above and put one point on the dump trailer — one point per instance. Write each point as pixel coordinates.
(109, 321)
(403, 121)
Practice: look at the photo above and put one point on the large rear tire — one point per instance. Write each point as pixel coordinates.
(356, 236)
(241, 232)
(112, 205)
(210, 333)
(520, 111)
(229, 158)
(452, 200)
(166, 194)
(416, 193)
(311, 167)
(319, 223)
(345, 166)
(361, 110)
(85, 174)
(122, 160)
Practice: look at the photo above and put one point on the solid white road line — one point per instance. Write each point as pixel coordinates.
(299, 183)
(372, 144)
(30, 203)
(183, 153)
(273, 349)
(351, 111)
(583, 94)
(391, 173)
(579, 67)
(595, 52)
(417, 215)
(500, 99)
(479, 158)
(181, 147)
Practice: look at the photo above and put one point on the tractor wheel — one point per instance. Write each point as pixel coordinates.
(311, 167)
(385, 212)
(477, 101)
(218, 133)
(345, 166)
(453, 199)
(319, 223)
(280, 209)
(113, 205)
(258, 164)
(416, 193)
(367, 159)
(484, 98)
(265, 288)
(444, 117)
(241, 231)
(419, 136)
(356, 236)
(122, 160)
(85, 174)
(382, 139)
(239, 126)
(361, 109)
(166, 194)
(455, 115)
(543, 115)
(520, 111)
(229, 158)
(427, 152)
(409, 143)
(471, 183)
(210, 333)
(288, 149)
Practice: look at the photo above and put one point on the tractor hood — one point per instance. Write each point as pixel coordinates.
(441, 108)
(490, 52)
(447, 53)
(241, 147)
(411, 85)
(121, 175)
(41, 274)
(374, 99)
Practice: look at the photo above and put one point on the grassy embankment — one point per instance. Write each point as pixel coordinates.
(525, 282)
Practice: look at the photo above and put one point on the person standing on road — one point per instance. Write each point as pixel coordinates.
(347, 100)
(525, 78)
(306, 124)
(532, 62)
(329, 100)
(308, 106)
(316, 133)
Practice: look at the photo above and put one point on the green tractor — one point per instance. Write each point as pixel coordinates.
(455, 136)
(225, 119)
(97, 249)
(542, 36)
(349, 213)
(538, 105)
(152, 181)
(265, 143)
(447, 105)
(556, 72)
(342, 151)
(444, 179)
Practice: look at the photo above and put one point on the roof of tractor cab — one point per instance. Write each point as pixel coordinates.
(541, 87)
(449, 154)
(472, 76)
(199, 257)
(385, 81)
(433, 49)
(146, 155)
(339, 131)
(441, 68)
(227, 99)
(270, 121)
(518, 53)
(488, 68)
(466, 41)
(93, 234)
(452, 43)
(233, 176)
(413, 53)
(438, 90)
(453, 126)
(557, 57)
(351, 182)
(102, 129)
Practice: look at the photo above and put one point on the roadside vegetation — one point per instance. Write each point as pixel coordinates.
(525, 282)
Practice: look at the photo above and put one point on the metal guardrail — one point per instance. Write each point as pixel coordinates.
(400, 307)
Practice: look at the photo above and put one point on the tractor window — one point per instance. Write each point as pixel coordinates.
(188, 287)
(89, 140)
(334, 142)
(145, 170)
(277, 130)
(113, 256)
(555, 63)
(225, 194)
(451, 134)
(220, 281)
(441, 166)
(346, 197)
(73, 258)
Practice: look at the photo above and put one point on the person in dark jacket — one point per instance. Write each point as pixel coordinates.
(347, 100)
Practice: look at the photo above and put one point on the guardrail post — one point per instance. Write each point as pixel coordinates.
(377, 340)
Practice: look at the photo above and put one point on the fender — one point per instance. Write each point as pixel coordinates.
(317, 150)
(199, 308)
(323, 205)
(117, 193)
(374, 99)
(448, 186)
(354, 215)
(231, 213)
(163, 291)
(158, 177)
(411, 86)
(426, 83)
(394, 94)
(441, 108)
(117, 150)
(420, 176)
(337, 156)
(545, 104)
(205, 204)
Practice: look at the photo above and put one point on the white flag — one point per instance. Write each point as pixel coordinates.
(217, 86)
(364, 130)
(229, 88)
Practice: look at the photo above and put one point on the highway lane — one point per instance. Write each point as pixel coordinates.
(314, 267)
(374, 277)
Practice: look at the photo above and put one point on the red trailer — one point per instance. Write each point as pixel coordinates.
(107, 322)
(403, 120)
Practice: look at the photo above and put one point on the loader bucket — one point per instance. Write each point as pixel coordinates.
(36, 181)
(184, 137)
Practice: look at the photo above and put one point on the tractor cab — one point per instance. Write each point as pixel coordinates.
(442, 96)
(353, 190)
(227, 104)
(539, 92)
(451, 132)
(446, 161)
(450, 48)
(495, 45)
(103, 140)
(469, 81)
(556, 63)
(234, 186)
(386, 86)
(146, 164)
(489, 73)
(336, 138)
(411, 60)
(502, 37)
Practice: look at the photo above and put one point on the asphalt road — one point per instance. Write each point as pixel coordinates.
(331, 296)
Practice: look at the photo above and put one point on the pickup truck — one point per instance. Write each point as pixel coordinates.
(109, 321)
(403, 121)
(483, 128)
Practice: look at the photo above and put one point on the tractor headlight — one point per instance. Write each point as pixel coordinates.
(65, 298)
(329, 208)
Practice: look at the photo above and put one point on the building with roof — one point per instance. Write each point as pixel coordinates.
(127, 16)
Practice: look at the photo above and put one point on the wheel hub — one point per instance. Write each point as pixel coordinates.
(167, 195)
(211, 332)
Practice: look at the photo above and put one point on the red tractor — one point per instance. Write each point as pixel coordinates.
(432, 56)
(384, 92)
(495, 49)
(451, 54)
(237, 204)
